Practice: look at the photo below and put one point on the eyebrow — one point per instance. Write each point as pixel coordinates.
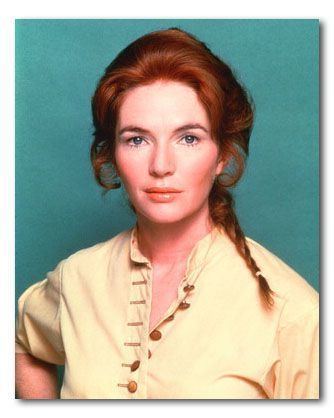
(138, 129)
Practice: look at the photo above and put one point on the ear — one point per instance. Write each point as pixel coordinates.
(220, 167)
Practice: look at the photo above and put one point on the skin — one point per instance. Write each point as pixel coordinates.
(34, 378)
(151, 153)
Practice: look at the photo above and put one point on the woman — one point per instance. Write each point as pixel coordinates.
(182, 305)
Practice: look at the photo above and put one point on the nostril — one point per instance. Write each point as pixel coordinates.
(162, 160)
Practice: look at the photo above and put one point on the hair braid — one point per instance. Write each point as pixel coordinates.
(223, 213)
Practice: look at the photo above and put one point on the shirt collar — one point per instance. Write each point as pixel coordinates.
(135, 254)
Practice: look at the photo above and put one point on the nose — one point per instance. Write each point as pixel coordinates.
(162, 161)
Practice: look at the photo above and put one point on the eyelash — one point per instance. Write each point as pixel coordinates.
(192, 136)
(139, 145)
(133, 145)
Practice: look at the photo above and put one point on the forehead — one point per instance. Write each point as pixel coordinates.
(164, 103)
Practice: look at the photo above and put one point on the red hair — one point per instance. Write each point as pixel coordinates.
(175, 55)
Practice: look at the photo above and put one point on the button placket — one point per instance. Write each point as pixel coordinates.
(180, 304)
(185, 292)
(145, 310)
(135, 343)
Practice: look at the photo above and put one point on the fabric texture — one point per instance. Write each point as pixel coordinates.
(92, 315)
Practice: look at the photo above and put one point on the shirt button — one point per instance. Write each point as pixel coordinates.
(149, 353)
(155, 335)
(184, 305)
(132, 386)
(135, 365)
(169, 318)
(189, 287)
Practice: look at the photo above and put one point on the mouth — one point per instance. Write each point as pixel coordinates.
(162, 194)
(167, 190)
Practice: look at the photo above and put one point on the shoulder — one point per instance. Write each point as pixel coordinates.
(298, 297)
(101, 252)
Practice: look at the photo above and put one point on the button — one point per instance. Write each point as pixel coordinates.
(149, 354)
(135, 365)
(184, 305)
(169, 318)
(132, 386)
(155, 335)
(189, 287)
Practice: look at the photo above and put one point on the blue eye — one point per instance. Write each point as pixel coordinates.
(135, 141)
(190, 140)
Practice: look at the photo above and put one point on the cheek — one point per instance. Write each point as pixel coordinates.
(128, 167)
(201, 173)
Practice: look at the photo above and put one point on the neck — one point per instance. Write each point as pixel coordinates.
(172, 242)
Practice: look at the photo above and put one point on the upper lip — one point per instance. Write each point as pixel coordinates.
(162, 190)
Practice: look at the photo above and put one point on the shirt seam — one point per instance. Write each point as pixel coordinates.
(299, 317)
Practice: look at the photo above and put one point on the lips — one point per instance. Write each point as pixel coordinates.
(162, 194)
(162, 190)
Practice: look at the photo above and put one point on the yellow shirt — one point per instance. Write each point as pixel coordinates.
(214, 342)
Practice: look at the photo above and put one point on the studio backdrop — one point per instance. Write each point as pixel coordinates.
(59, 206)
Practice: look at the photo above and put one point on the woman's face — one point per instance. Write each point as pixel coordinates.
(164, 153)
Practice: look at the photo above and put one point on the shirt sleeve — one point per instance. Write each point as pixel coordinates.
(38, 321)
(295, 375)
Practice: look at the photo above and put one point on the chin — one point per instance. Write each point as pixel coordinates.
(163, 216)
(168, 215)
(158, 219)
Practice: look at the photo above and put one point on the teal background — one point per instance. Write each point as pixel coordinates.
(59, 207)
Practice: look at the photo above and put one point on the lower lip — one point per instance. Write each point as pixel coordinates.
(162, 197)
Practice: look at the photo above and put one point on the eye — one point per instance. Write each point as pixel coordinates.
(190, 140)
(135, 141)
